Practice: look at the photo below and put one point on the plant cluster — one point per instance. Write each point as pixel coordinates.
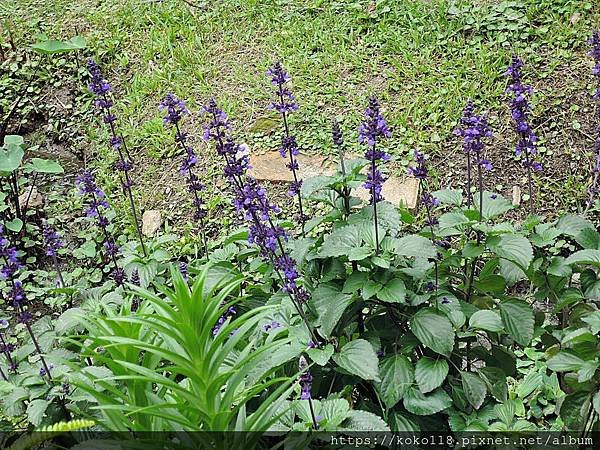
(361, 317)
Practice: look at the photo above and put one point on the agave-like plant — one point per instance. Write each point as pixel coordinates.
(176, 365)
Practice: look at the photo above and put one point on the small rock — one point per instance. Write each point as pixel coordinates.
(397, 191)
(151, 222)
(516, 196)
(36, 200)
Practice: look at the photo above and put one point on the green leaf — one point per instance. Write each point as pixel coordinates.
(558, 268)
(340, 242)
(587, 371)
(50, 46)
(394, 291)
(530, 383)
(573, 225)
(491, 284)
(493, 204)
(512, 247)
(588, 256)
(11, 155)
(593, 320)
(36, 410)
(588, 238)
(14, 225)
(359, 253)
(354, 282)
(572, 409)
(330, 304)
(370, 288)
(397, 375)
(518, 320)
(564, 361)
(388, 217)
(362, 421)
(449, 196)
(45, 166)
(430, 373)
(486, 320)
(415, 245)
(474, 388)
(320, 356)
(425, 405)
(434, 330)
(359, 358)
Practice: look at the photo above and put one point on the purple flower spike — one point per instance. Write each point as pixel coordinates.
(52, 240)
(520, 109)
(175, 110)
(286, 104)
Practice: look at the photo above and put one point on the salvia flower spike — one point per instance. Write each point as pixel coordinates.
(53, 243)
(338, 141)
(372, 129)
(520, 109)
(285, 104)
(175, 111)
(595, 54)
(101, 88)
(96, 205)
(251, 201)
(474, 129)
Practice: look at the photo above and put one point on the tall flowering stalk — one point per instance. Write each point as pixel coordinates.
(96, 205)
(306, 380)
(285, 104)
(520, 109)
(474, 129)
(251, 201)
(371, 130)
(53, 242)
(16, 297)
(100, 87)
(175, 110)
(338, 141)
(420, 172)
(595, 54)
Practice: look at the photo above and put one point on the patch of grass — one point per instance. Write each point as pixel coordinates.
(423, 58)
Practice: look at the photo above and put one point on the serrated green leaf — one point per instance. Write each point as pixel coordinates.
(359, 358)
(397, 375)
(474, 388)
(486, 320)
(564, 361)
(36, 409)
(425, 405)
(394, 291)
(430, 373)
(415, 246)
(512, 247)
(518, 319)
(588, 256)
(434, 330)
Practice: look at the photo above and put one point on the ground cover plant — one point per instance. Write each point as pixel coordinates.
(305, 309)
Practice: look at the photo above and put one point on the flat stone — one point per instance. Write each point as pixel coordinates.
(151, 222)
(272, 167)
(398, 191)
(36, 200)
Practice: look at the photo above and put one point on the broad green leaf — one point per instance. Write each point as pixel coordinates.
(530, 383)
(434, 330)
(512, 247)
(495, 379)
(486, 320)
(370, 288)
(52, 46)
(354, 282)
(493, 204)
(11, 156)
(403, 423)
(45, 166)
(572, 409)
(588, 238)
(474, 388)
(573, 225)
(430, 373)
(415, 245)
(588, 256)
(511, 272)
(394, 291)
(593, 320)
(320, 356)
(330, 304)
(587, 371)
(14, 225)
(425, 405)
(449, 196)
(559, 268)
(359, 253)
(362, 421)
(564, 361)
(517, 317)
(388, 217)
(491, 283)
(397, 376)
(340, 242)
(36, 410)
(359, 358)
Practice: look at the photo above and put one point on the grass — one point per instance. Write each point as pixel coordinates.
(423, 58)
